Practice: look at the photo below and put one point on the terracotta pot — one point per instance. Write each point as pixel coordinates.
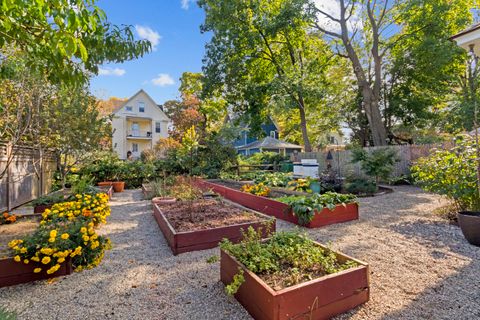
(118, 186)
(164, 200)
(41, 208)
(104, 183)
(470, 224)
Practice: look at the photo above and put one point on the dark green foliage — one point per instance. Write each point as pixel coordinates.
(451, 173)
(361, 186)
(287, 253)
(48, 199)
(378, 163)
(304, 207)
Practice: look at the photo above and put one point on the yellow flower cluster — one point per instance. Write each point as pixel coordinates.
(258, 189)
(86, 205)
(68, 231)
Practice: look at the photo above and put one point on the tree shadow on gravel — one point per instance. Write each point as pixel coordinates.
(454, 297)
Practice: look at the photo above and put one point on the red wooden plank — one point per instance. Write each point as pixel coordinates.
(320, 298)
(13, 273)
(181, 242)
(281, 210)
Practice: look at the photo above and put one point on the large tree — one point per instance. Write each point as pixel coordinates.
(261, 54)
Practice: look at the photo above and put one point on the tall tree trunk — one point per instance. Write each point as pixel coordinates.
(303, 124)
(372, 111)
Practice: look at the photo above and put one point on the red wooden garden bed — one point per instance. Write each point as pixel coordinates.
(12, 273)
(281, 210)
(321, 298)
(181, 242)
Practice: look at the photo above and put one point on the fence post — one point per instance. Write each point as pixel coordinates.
(8, 151)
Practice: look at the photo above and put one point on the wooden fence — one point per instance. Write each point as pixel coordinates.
(341, 161)
(25, 174)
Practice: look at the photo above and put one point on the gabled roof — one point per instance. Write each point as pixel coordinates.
(270, 143)
(463, 32)
(116, 109)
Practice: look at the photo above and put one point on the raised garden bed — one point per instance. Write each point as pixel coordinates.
(281, 210)
(320, 298)
(13, 273)
(221, 220)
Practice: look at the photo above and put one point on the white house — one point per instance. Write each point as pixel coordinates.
(137, 125)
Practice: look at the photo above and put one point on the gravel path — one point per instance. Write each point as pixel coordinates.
(422, 268)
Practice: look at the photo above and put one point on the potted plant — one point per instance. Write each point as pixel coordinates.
(289, 276)
(160, 192)
(45, 202)
(453, 173)
(118, 175)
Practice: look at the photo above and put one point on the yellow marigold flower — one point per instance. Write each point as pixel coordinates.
(51, 240)
(23, 250)
(53, 233)
(85, 238)
(83, 230)
(17, 258)
(91, 231)
(65, 236)
(46, 260)
(36, 259)
(26, 261)
(60, 260)
(46, 251)
(37, 270)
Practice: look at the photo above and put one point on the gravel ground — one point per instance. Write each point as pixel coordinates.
(422, 268)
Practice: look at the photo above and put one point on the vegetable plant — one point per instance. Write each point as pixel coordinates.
(304, 207)
(274, 179)
(257, 189)
(286, 259)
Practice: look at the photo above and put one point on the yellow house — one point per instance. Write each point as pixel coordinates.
(137, 125)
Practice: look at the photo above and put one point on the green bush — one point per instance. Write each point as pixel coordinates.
(378, 163)
(262, 158)
(360, 186)
(451, 173)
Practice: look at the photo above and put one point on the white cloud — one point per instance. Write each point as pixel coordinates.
(148, 34)
(186, 4)
(111, 72)
(332, 7)
(163, 80)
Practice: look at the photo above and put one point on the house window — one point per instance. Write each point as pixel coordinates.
(157, 127)
(135, 147)
(141, 107)
(129, 108)
(273, 134)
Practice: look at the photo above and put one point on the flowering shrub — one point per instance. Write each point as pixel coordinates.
(7, 218)
(67, 231)
(86, 205)
(257, 189)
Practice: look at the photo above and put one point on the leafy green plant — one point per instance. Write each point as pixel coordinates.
(286, 259)
(7, 315)
(451, 173)
(238, 280)
(304, 207)
(84, 185)
(360, 186)
(274, 179)
(262, 158)
(301, 184)
(378, 163)
(47, 200)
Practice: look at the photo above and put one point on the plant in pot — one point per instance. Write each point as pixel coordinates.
(118, 175)
(46, 202)
(453, 173)
(161, 192)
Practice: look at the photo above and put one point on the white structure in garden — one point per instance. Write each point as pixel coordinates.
(137, 125)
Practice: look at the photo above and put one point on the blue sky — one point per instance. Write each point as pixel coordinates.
(174, 25)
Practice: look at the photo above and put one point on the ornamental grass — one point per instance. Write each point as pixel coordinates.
(67, 230)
